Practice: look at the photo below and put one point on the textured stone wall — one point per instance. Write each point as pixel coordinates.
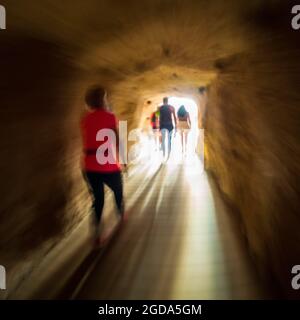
(42, 196)
(252, 141)
(140, 50)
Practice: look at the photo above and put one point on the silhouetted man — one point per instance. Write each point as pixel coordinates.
(167, 122)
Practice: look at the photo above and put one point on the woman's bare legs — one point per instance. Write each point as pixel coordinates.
(182, 141)
(186, 140)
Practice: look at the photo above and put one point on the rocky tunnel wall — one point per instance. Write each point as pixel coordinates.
(252, 143)
(245, 54)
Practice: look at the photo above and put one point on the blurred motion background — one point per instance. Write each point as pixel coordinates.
(239, 62)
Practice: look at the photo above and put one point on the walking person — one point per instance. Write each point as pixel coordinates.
(107, 171)
(184, 126)
(154, 120)
(167, 123)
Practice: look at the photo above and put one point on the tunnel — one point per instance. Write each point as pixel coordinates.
(228, 231)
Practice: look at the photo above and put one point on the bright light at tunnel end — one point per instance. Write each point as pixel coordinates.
(189, 104)
(146, 144)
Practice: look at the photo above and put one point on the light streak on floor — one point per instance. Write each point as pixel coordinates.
(180, 242)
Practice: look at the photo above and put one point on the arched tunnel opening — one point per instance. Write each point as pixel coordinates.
(186, 143)
(214, 233)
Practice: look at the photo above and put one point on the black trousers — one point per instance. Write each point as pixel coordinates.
(96, 181)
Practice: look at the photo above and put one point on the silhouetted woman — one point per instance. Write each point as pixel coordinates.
(184, 125)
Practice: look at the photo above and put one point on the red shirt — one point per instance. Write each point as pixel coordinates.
(91, 123)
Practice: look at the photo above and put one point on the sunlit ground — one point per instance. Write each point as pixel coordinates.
(179, 241)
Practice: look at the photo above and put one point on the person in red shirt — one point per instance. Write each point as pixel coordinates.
(154, 121)
(100, 159)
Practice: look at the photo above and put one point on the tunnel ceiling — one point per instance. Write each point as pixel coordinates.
(140, 49)
(144, 50)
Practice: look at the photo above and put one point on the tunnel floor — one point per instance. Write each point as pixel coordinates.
(180, 242)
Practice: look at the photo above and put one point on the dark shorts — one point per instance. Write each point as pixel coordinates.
(168, 127)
